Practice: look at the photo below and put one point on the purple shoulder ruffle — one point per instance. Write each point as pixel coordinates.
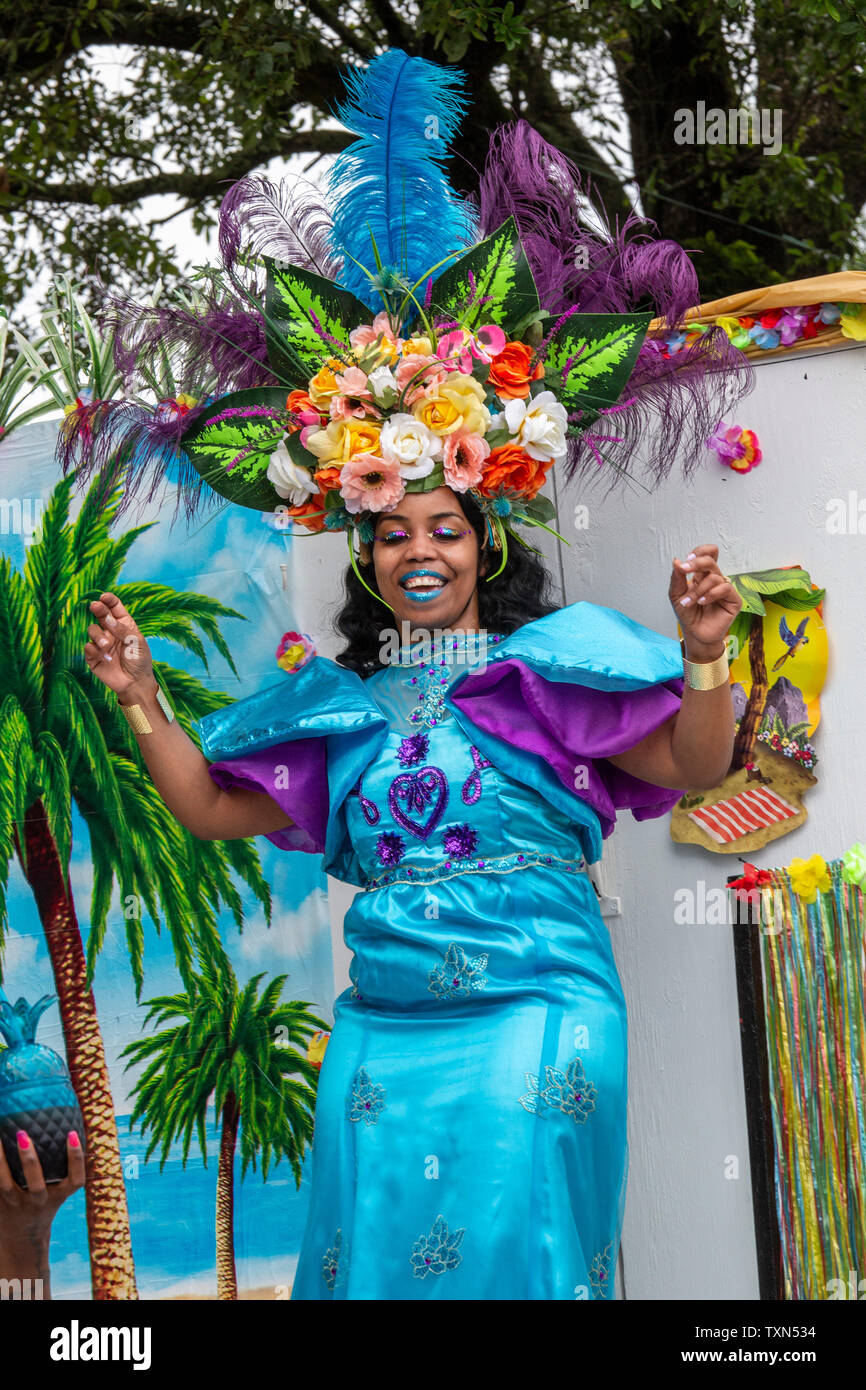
(574, 728)
(305, 799)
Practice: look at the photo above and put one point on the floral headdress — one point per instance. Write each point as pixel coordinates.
(407, 337)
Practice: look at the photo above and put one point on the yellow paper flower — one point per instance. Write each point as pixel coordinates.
(853, 321)
(342, 440)
(458, 405)
(809, 875)
(730, 326)
(316, 1049)
(854, 864)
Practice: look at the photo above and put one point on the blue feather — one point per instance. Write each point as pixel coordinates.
(405, 111)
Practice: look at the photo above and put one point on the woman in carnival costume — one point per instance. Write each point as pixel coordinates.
(411, 370)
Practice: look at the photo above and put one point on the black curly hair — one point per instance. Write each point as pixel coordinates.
(521, 593)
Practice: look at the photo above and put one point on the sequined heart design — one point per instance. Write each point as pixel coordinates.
(426, 787)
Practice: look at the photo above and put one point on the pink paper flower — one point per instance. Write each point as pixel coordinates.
(294, 651)
(463, 455)
(371, 483)
(736, 447)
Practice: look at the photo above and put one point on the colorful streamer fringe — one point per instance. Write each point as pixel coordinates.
(813, 957)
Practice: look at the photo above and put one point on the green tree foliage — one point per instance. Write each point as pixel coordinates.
(214, 89)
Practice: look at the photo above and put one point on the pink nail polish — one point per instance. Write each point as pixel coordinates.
(684, 602)
(74, 1140)
(23, 1141)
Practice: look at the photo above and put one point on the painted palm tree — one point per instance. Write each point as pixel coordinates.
(240, 1049)
(63, 740)
(789, 588)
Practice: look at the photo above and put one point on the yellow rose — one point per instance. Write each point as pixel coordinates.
(324, 384)
(341, 440)
(411, 345)
(458, 405)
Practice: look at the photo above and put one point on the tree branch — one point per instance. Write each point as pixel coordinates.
(195, 186)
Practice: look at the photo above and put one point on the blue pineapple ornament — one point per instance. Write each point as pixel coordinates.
(35, 1091)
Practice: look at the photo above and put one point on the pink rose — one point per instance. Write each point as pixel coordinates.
(425, 373)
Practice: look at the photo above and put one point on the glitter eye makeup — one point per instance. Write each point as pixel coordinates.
(440, 533)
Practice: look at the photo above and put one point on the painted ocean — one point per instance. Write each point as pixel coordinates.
(172, 1217)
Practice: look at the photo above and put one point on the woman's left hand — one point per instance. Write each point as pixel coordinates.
(711, 601)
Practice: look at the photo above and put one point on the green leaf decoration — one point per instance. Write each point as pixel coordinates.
(501, 271)
(541, 508)
(788, 588)
(242, 429)
(299, 454)
(294, 297)
(603, 349)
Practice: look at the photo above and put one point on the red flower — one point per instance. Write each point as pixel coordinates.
(771, 318)
(752, 878)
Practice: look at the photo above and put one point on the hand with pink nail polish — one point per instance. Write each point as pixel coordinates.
(26, 1213)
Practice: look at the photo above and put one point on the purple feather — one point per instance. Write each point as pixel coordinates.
(289, 224)
(599, 270)
(123, 440)
(218, 345)
(669, 409)
(674, 403)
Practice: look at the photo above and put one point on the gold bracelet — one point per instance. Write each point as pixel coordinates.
(138, 720)
(706, 675)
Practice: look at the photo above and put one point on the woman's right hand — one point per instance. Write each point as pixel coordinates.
(117, 652)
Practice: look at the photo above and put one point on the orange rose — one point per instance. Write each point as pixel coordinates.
(298, 401)
(304, 514)
(509, 372)
(327, 478)
(511, 468)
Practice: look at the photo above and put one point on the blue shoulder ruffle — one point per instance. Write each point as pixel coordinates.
(322, 703)
(588, 644)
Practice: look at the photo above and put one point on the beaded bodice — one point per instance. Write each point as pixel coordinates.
(431, 805)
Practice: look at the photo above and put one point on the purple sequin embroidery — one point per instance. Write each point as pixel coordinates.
(370, 809)
(417, 790)
(460, 841)
(413, 750)
(390, 848)
(472, 786)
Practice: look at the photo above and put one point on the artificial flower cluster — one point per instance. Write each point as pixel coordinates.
(803, 754)
(808, 876)
(774, 328)
(395, 409)
(736, 447)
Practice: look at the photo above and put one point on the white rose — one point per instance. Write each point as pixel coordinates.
(410, 443)
(538, 425)
(381, 381)
(289, 478)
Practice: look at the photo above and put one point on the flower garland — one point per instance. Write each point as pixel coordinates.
(808, 876)
(773, 329)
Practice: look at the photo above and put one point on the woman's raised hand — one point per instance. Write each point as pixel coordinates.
(703, 598)
(117, 652)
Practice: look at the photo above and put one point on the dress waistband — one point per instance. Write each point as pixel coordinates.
(450, 868)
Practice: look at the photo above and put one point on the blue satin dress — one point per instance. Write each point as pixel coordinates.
(470, 1126)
